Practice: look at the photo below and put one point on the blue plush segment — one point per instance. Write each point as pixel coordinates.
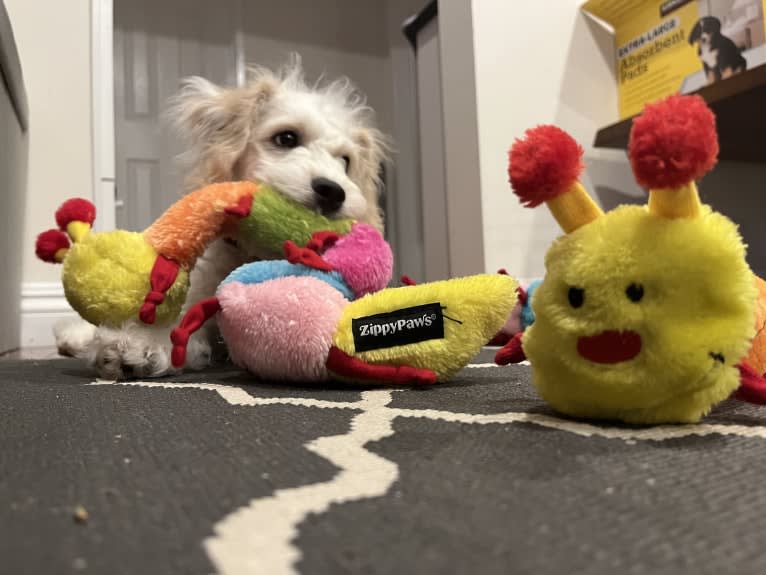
(527, 315)
(259, 272)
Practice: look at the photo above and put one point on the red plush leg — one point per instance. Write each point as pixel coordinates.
(522, 294)
(752, 386)
(341, 363)
(408, 281)
(306, 257)
(198, 314)
(321, 241)
(242, 208)
(164, 273)
(511, 352)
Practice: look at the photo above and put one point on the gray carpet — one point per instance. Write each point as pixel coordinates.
(210, 472)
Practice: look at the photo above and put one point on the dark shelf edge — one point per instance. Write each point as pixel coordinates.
(737, 103)
(417, 22)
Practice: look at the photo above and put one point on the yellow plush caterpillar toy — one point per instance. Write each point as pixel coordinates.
(646, 314)
(114, 276)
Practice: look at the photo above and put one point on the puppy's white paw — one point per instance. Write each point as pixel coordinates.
(199, 352)
(73, 336)
(136, 350)
(130, 351)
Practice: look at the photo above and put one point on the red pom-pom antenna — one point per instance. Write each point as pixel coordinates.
(50, 244)
(75, 210)
(543, 165)
(673, 142)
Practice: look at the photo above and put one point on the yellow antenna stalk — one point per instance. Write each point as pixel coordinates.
(574, 209)
(683, 202)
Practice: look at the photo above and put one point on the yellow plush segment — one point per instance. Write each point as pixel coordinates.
(681, 203)
(482, 303)
(106, 278)
(699, 299)
(574, 209)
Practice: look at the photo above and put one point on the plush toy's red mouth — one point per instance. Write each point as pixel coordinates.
(610, 346)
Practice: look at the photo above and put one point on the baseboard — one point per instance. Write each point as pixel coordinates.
(42, 305)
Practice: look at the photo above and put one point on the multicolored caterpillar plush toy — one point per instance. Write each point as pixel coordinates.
(114, 276)
(646, 314)
(325, 318)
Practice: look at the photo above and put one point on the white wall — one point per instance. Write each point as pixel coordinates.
(53, 40)
(539, 62)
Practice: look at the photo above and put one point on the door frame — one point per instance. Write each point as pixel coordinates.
(102, 112)
(460, 134)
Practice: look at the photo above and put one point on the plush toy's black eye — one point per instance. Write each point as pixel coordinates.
(576, 297)
(347, 162)
(635, 292)
(286, 139)
(719, 357)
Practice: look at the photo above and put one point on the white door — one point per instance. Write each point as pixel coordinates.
(156, 44)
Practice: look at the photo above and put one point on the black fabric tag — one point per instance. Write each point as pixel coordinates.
(398, 327)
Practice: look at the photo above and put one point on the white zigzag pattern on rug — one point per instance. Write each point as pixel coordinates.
(240, 546)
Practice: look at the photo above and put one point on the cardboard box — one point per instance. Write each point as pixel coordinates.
(669, 46)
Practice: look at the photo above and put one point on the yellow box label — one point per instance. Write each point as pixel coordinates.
(669, 46)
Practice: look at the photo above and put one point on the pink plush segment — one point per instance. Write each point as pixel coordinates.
(280, 329)
(363, 258)
(513, 323)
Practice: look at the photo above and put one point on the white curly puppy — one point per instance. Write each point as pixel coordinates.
(316, 144)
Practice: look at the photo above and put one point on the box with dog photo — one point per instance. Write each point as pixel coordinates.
(669, 46)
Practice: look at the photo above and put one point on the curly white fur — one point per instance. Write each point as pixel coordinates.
(230, 133)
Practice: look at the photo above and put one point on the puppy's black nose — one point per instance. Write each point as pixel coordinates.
(331, 195)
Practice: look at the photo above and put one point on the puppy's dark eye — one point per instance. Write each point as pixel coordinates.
(635, 292)
(286, 139)
(347, 162)
(576, 297)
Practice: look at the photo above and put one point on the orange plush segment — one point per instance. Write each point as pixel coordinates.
(187, 227)
(757, 356)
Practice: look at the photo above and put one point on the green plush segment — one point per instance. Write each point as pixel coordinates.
(274, 219)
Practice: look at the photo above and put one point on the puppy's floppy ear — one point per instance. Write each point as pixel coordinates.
(198, 107)
(696, 33)
(374, 150)
(216, 122)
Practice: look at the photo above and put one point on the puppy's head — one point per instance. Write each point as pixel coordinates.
(315, 144)
(706, 28)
